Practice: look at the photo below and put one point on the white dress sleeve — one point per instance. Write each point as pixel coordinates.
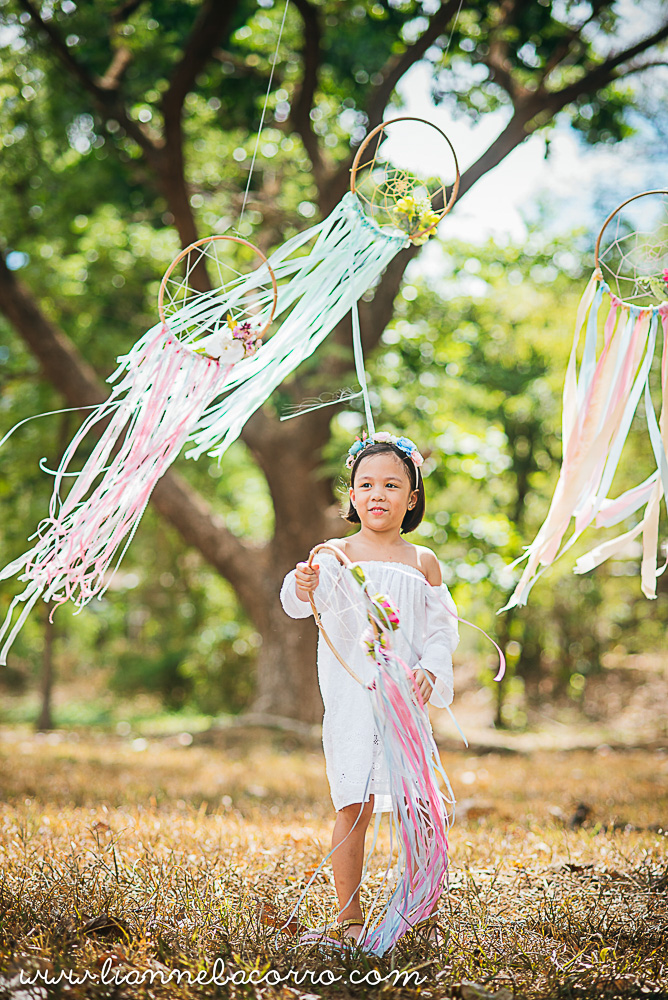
(441, 639)
(291, 603)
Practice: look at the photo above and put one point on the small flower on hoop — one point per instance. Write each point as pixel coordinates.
(383, 615)
(244, 333)
(414, 216)
(230, 343)
(658, 287)
(388, 613)
(383, 619)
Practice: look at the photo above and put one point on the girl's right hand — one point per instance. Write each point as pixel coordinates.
(306, 579)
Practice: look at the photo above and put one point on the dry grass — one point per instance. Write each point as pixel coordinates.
(155, 856)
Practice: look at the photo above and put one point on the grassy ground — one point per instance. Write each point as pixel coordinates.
(146, 854)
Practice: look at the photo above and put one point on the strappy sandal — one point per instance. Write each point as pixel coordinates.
(343, 925)
(334, 936)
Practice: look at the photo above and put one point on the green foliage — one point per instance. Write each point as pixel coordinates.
(473, 367)
(536, 47)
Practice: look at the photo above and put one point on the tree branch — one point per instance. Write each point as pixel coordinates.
(501, 71)
(497, 60)
(105, 98)
(301, 107)
(125, 10)
(241, 69)
(211, 25)
(165, 156)
(173, 497)
(112, 78)
(599, 76)
(575, 34)
(398, 65)
(640, 68)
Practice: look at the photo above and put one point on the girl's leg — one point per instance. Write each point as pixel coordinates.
(348, 857)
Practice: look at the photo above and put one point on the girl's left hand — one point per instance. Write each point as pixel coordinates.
(425, 681)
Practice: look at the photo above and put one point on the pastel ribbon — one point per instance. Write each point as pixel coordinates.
(600, 400)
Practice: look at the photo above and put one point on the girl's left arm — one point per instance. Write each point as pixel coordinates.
(441, 634)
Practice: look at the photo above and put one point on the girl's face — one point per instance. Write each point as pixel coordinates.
(382, 492)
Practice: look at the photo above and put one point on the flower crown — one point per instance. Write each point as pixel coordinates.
(383, 437)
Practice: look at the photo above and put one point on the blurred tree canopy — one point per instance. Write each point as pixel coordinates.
(128, 130)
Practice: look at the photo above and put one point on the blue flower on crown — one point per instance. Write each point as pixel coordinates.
(383, 437)
(356, 447)
(406, 445)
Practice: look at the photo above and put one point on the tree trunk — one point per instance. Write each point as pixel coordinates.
(286, 666)
(45, 720)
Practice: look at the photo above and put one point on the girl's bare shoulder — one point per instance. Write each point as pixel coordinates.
(336, 543)
(429, 565)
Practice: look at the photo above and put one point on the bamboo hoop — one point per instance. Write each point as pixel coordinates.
(634, 197)
(410, 118)
(348, 564)
(210, 239)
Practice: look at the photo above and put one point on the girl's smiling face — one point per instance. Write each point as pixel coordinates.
(382, 492)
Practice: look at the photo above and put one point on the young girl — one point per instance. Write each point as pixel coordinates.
(387, 499)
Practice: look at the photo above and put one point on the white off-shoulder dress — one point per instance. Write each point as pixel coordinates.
(427, 637)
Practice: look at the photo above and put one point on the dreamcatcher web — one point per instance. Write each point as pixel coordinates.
(633, 252)
(232, 299)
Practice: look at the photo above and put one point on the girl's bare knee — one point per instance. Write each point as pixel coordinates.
(357, 812)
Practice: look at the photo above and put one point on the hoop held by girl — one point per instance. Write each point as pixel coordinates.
(387, 500)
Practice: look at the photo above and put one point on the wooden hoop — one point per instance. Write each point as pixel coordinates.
(611, 217)
(210, 239)
(410, 118)
(345, 561)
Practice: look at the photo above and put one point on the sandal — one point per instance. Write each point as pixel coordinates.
(343, 925)
(334, 936)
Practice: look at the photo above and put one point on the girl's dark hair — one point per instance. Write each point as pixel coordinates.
(412, 517)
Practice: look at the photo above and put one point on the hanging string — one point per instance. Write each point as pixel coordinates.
(264, 111)
(358, 351)
(454, 25)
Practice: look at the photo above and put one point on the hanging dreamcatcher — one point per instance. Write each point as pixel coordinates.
(163, 385)
(323, 271)
(624, 316)
(198, 375)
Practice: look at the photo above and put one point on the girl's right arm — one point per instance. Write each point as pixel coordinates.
(306, 580)
(297, 585)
